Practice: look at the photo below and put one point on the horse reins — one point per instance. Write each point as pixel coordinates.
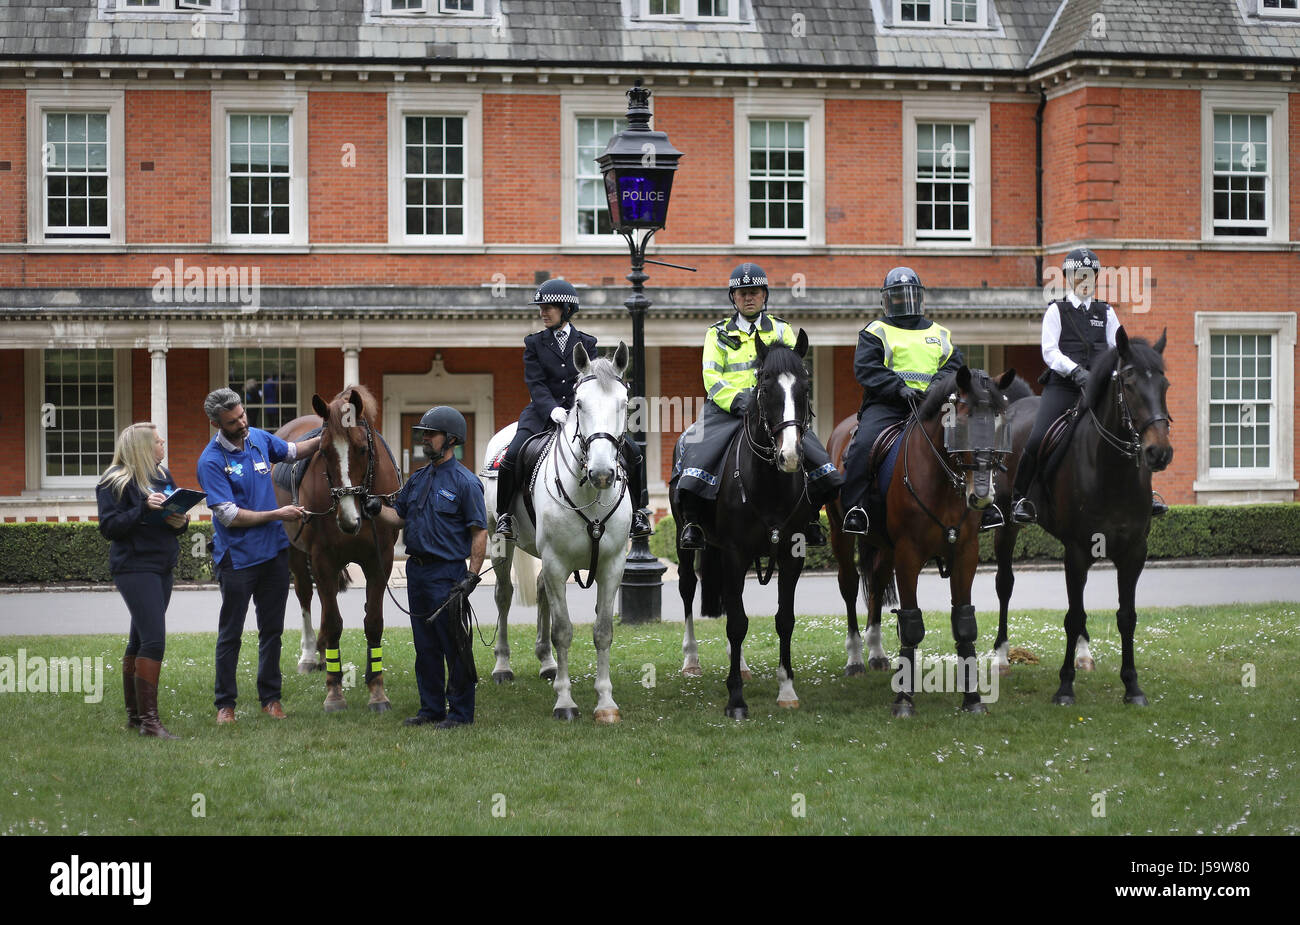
(1132, 448)
(768, 455)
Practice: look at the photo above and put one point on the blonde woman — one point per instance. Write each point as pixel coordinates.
(141, 559)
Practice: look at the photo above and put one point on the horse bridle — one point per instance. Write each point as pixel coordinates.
(768, 453)
(364, 490)
(1131, 448)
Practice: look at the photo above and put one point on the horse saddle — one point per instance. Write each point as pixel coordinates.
(530, 457)
(289, 475)
(1056, 441)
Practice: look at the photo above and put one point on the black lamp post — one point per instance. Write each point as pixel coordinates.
(638, 166)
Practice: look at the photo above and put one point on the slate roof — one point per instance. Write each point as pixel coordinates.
(835, 35)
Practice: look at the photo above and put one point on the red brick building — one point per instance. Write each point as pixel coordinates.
(195, 193)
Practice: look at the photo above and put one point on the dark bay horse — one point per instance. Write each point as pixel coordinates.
(1098, 501)
(353, 461)
(845, 550)
(933, 511)
(761, 510)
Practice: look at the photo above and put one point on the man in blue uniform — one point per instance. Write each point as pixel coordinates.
(249, 545)
(441, 508)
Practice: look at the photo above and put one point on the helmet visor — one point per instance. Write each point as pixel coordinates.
(904, 300)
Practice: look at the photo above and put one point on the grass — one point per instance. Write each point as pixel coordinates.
(1209, 755)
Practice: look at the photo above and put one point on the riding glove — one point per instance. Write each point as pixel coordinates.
(1079, 376)
(559, 415)
(372, 506)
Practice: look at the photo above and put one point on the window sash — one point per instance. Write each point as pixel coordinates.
(691, 10)
(259, 188)
(945, 180)
(1279, 8)
(1242, 173)
(940, 14)
(778, 178)
(266, 379)
(433, 175)
(591, 135)
(83, 394)
(1242, 442)
(434, 7)
(76, 182)
(167, 6)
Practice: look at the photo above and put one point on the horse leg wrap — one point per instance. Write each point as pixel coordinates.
(332, 661)
(376, 660)
(911, 626)
(964, 628)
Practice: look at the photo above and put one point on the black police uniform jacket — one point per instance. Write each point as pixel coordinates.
(550, 375)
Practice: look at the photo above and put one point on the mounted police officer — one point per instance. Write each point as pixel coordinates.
(551, 377)
(442, 511)
(897, 358)
(730, 376)
(1076, 330)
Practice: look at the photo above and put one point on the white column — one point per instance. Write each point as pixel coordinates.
(351, 367)
(158, 392)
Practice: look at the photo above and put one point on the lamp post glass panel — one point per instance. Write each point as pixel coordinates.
(638, 166)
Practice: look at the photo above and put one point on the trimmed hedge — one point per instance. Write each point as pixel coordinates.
(1188, 530)
(50, 552)
(32, 553)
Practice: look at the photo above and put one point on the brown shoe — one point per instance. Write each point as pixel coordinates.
(225, 715)
(274, 710)
(146, 696)
(128, 690)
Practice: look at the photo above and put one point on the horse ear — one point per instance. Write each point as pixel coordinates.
(963, 378)
(760, 348)
(357, 403)
(801, 343)
(581, 360)
(1121, 341)
(1008, 377)
(318, 405)
(621, 359)
(1159, 346)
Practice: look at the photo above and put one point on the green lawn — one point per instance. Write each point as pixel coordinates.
(1209, 755)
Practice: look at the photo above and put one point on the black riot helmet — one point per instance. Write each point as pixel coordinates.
(902, 295)
(447, 420)
(561, 291)
(744, 276)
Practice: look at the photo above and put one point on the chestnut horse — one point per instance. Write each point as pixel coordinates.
(353, 462)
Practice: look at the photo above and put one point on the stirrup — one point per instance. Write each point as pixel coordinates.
(506, 526)
(851, 523)
(640, 524)
(992, 518)
(1023, 512)
(1158, 505)
(695, 542)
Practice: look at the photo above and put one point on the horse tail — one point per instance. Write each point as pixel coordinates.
(867, 558)
(345, 580)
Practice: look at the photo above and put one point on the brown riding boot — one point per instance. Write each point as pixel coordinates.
(146, 693)
(128, 690)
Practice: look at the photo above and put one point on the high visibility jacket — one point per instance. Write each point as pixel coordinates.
(914, 355)
(731, 359)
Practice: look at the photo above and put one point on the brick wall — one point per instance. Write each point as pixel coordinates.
(12, 423)
(348, 186)
(13, 182)
(172, 130)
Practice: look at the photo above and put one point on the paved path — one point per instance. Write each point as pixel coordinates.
(73, 612)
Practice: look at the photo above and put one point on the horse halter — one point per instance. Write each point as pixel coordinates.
(364, 489)
(587, 441)
(1132, 447)
(768, 452)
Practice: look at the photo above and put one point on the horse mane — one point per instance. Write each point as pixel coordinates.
(782, 358)
(605, 371)
(1018, 389)
(936, 396)
(369, 407)
(1144, 356)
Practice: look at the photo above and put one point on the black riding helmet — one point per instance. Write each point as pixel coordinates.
(561, 291)
(447, 420)
(902, 294)
(745, 276)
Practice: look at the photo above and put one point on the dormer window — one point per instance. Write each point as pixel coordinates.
(691, 10)
(941, 14)
(1282, 9)
(434, 7)
(167, 6)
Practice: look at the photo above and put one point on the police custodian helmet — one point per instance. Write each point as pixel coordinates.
(902, 294)
(447, 420)
(744, 276)
(558, 290)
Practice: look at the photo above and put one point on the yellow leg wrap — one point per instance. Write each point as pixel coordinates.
(377, 659)
(332, 660)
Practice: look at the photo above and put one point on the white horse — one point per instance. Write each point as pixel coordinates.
(581, 501)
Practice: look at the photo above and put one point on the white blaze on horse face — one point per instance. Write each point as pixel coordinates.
(349, 516)
(788, 437)
(601, 413)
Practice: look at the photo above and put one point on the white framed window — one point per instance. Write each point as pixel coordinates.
(435, 167)
(1244, 189)
(947, 184)
(588, 126)
(76, 189)
(266, 378)
(433, 7)
(1245, 406)
(780, 147)
(935, 14)
(259, 159)
(690, 10)
(1283, 9)
(167, 6)
(81, 394)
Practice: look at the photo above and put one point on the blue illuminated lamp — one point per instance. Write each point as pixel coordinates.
(638, 166)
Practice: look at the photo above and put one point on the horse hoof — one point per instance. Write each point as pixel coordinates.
(1085, 663)
(1138, 700)
(879, 663)
(737, 712)
(608, 717)
(568, 714)
(334, 706)
(976, 707)
(501, 677)
(788, 704)
(693, 671)
(548, 674)
(379, 706)
(903, 710)
(852, 671)
(1063, 700)
(306, 667)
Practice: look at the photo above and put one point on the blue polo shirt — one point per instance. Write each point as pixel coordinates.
(244, 479)
(439, 503)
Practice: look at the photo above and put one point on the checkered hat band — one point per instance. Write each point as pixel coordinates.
(555, 297)
(737, 283)
(1085, 263)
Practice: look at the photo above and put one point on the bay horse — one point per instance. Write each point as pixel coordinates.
(583, 518)
(845, 549)
(353, 462)
(931, 511)
(762, 509)
(1098, 500)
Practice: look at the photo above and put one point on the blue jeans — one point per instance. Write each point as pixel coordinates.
(443, 683)
(267, 585)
